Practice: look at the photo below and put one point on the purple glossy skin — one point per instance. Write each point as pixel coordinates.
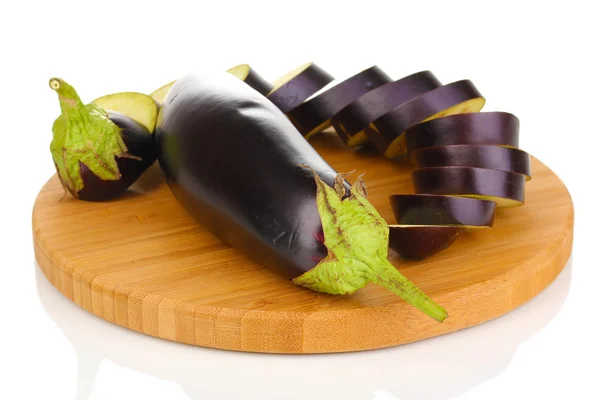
(232, 159)
(468, 180)
(417, 242)
(385, 129)
(316, 111)
(357, 115)
(257, 82)
(140, 143)
(480, 156)
(429, 209)
(485, 128)
(300, 88)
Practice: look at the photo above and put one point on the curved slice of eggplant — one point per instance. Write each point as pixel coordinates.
(419, 242)
(351, 121)
(141, 152)
(486, 128)
(159, 94)
(252, 78)
(388, 131)
(480, 156)
(315, 114)
(293, 88)
(251, 187)
(137, 106)
(438, 210)
(507, 189)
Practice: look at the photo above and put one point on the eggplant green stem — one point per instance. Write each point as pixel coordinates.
(83, 135)
(357, 241)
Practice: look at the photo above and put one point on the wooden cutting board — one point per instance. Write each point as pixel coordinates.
(141, 262)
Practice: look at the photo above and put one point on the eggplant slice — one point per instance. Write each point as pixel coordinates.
(293, 88)
(315, 114)
(485, 128)
(480, 156)
(252, 78)
(439, 210)
(351, 121)
(507, 189)
(388, 131)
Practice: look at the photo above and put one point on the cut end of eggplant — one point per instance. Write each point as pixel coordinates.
(398, 146)
(507, 189)
(137, 106)
(160, 94)
(240, 71)
(480, 156)
(420, 242)
(502, 202)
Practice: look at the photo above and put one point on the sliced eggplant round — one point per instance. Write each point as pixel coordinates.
(293, 88)
(419, 242)
(252, 78)
(351, 121)
(491, 128)
(507, 189)
(137, 106)
(315, 114)
(388, 131)
(439, 210)
(480, 156)
(160, 94)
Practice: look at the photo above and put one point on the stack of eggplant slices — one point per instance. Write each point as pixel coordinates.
(467, 161)
(232, 156)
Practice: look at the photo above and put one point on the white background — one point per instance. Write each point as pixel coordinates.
(538, 60)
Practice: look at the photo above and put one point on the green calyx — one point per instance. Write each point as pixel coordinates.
(357, 241)
(83, 134)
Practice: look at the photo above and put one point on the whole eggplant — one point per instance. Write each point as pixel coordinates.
(238, 165)
(98, 154)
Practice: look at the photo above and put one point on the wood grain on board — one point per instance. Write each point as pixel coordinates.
(141, 262)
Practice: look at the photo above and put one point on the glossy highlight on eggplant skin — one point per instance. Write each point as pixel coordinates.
(388, 131)
(350, 122)
(442, 210)
(480, 156)
(298, 85)
(233, 160)
(419, 242)
(507, 189)
(484, 128)
(140, 145)
(315, 114)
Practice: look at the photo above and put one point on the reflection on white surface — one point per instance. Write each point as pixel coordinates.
(437, 368)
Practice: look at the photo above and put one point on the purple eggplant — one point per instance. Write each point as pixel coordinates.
(240, 168)
(98, 154)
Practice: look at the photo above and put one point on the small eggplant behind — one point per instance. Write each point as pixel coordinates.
(98, 154)
(141, 154)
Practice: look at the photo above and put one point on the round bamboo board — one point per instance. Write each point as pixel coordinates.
(141, 262)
